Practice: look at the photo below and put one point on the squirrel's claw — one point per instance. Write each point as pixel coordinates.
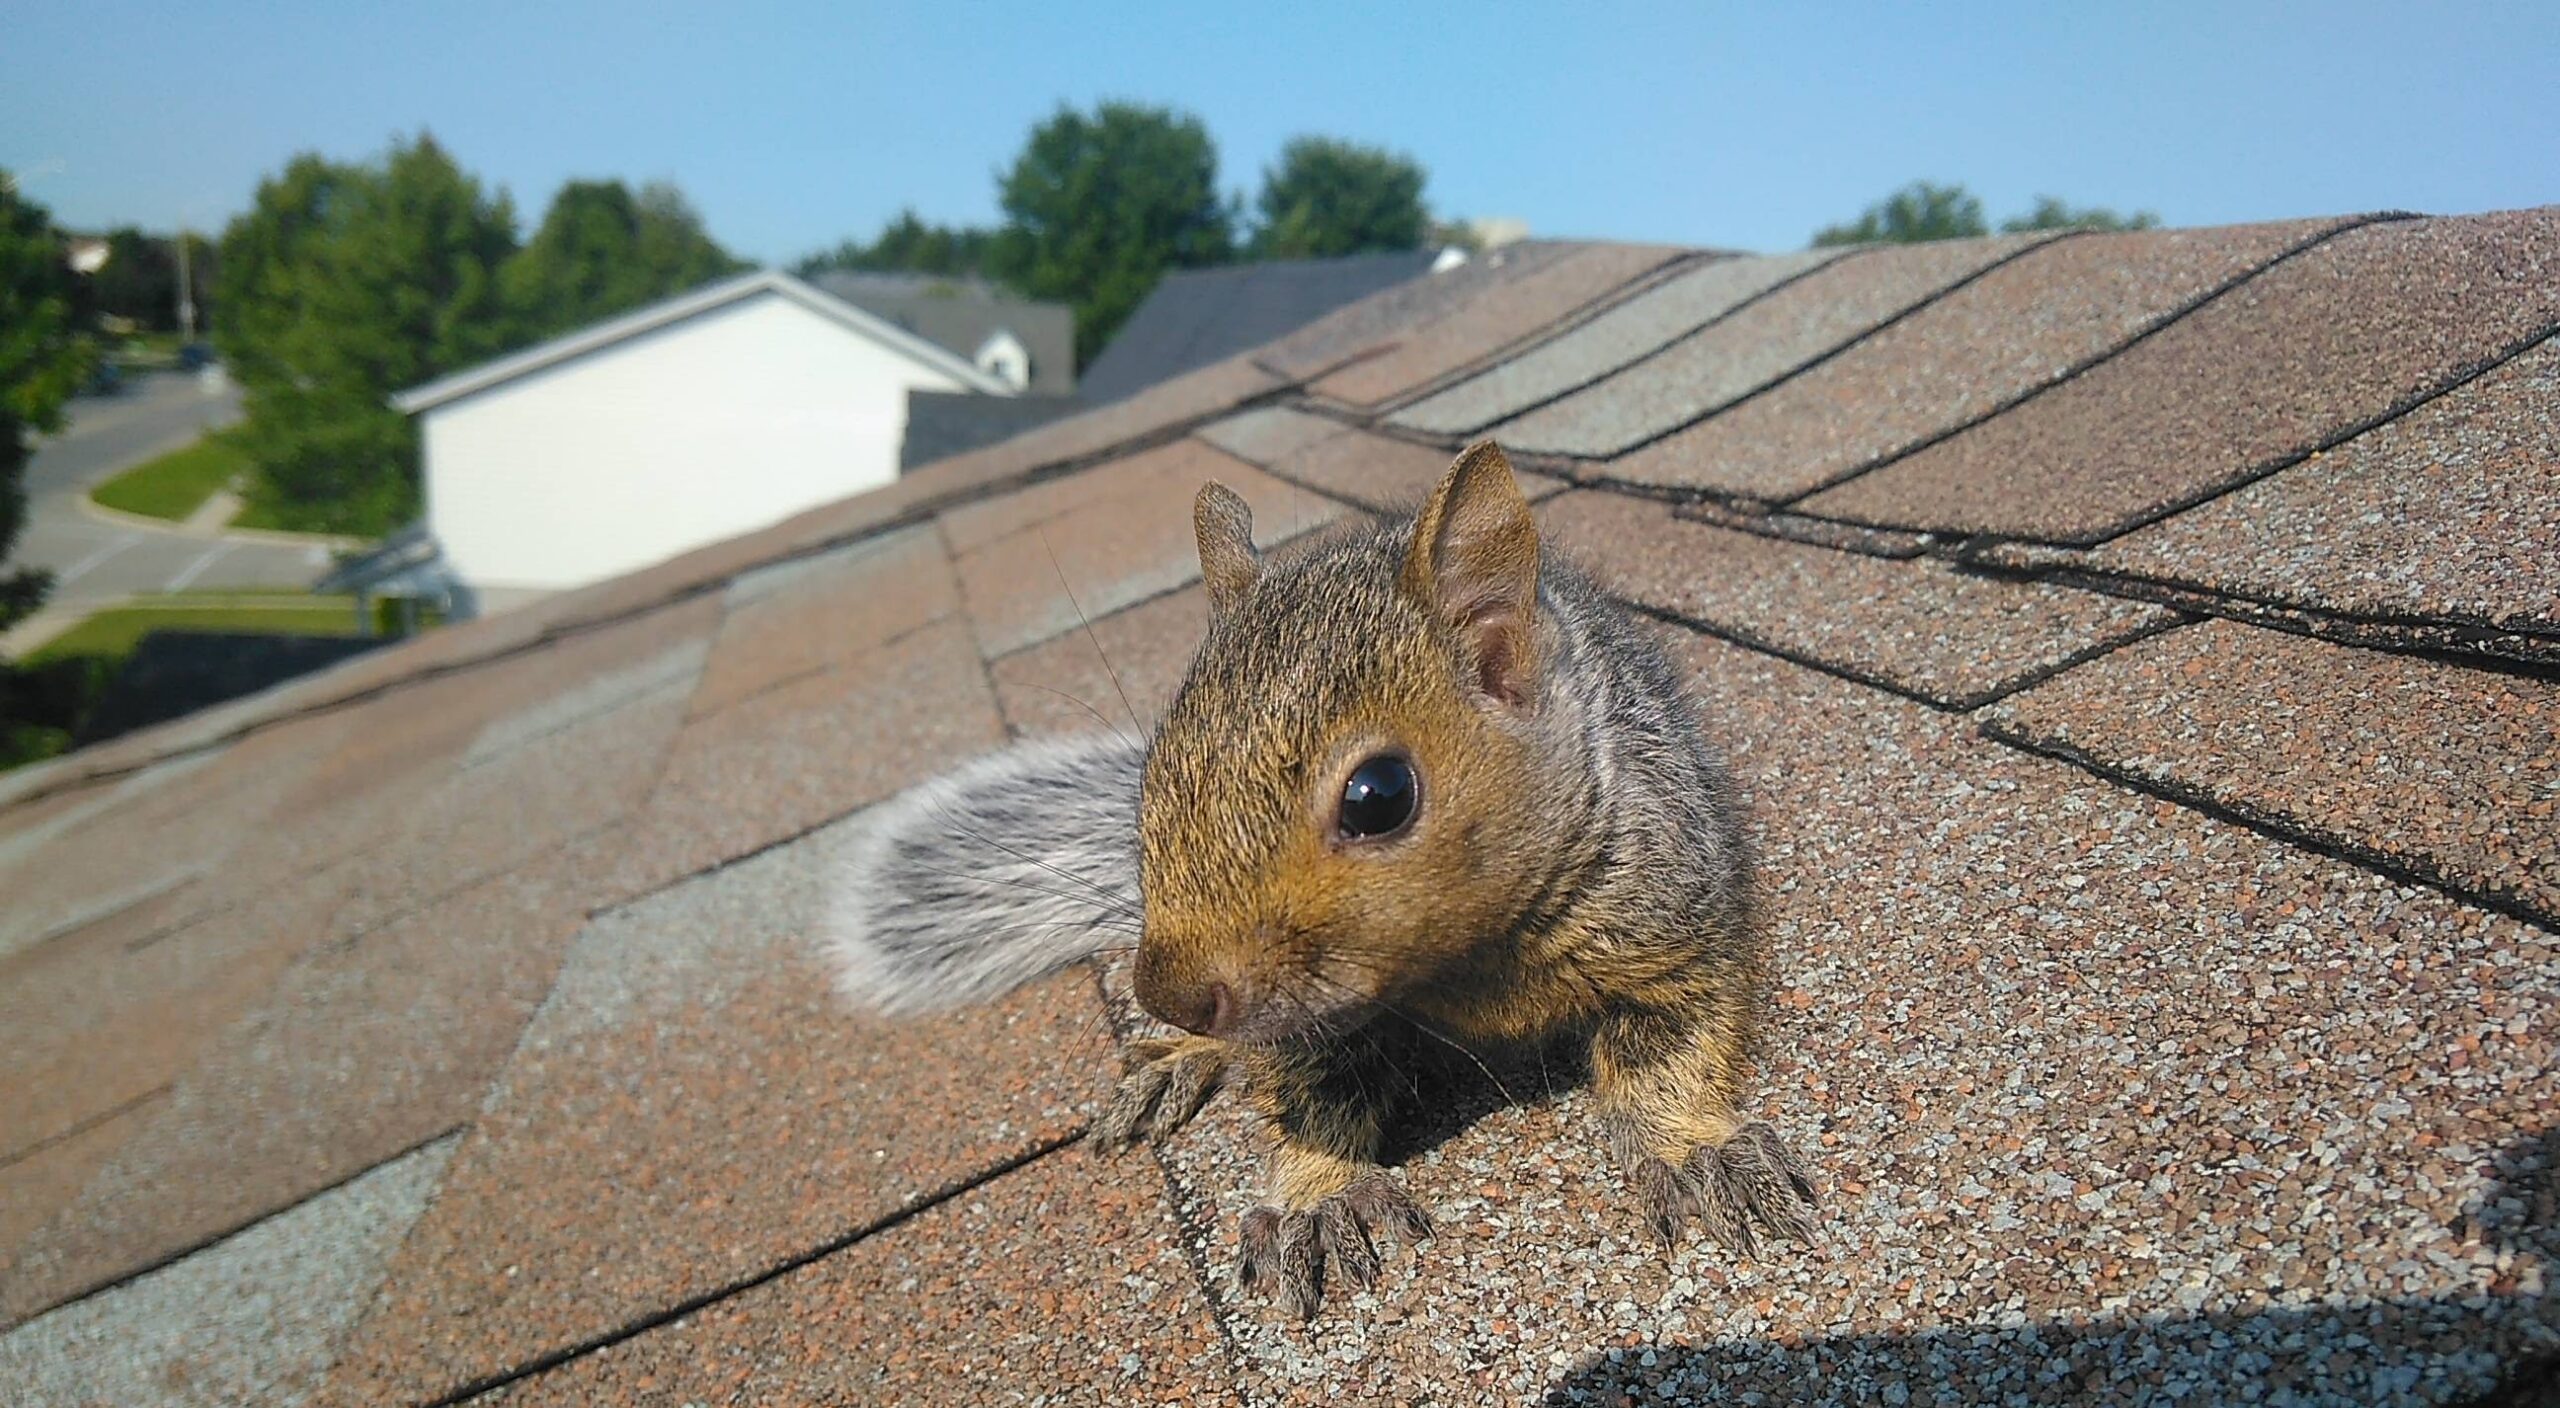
(1750, 1181)
(1290, 1251)
(1166, 1083)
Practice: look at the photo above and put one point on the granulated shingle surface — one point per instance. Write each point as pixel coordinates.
(1636, 328)
(1917, 626)
(1382, 319)
(2018, 327)
(1091, 544)
(1119, 678)
(812, 613)
(803, 753)
(1383, 474)
(1729, 359)
(2319, 346)
(99, 1019)
(2448, 513)
(1062, 1283)
(2124, 1079)
(2105, 1100)
(2452, 772)
(693, 1107)
(254, 1318)
(361, 1052)
(1530, 302)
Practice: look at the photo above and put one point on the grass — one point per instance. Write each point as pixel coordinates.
(177, 483)
(112, 634)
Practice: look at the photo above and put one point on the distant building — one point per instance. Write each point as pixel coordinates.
(1198, 316)
(689, 421)
(1030, 346)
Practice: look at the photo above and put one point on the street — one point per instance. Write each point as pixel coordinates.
(97, 559)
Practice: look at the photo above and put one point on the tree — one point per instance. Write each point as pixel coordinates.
(2052, 213)
(1098, 207)
(1328, 198)
(602, 250)
(1917, 213)
(342, 285)
(43, 359)
(909, 245)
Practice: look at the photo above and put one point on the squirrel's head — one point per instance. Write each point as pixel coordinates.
(1347, 794)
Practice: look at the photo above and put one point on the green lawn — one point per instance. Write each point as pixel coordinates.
(111, 634)
(177, 483)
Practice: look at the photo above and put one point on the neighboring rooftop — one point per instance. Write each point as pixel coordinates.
(1198, 316)
(2140, 653)
(964, 316)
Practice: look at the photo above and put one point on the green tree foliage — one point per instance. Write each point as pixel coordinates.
(1328, 198)
(2053, 213)
(909, 245)
(343, 284)
(602, 250)
(1097, 208)
(43, 359)
(1917, 213)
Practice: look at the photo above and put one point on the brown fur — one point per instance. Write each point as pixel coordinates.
(1573, 865)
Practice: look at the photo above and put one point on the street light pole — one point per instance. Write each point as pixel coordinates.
(186, 292)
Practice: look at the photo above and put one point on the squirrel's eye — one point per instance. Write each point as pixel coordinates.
(1378, 800)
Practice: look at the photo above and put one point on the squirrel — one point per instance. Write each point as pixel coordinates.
(1420, 775)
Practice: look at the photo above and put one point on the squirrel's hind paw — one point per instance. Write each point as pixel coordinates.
(1166, 1082)
(1750, 1180)
(1291, 1251)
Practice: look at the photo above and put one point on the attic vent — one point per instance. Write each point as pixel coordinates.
(1003, 357)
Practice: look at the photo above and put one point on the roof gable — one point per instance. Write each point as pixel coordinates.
(673, 312)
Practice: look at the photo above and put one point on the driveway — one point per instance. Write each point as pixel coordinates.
(97, 559)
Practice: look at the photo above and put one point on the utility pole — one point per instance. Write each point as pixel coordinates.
(186, 292)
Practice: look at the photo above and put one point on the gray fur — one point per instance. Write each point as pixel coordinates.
(1010, 868)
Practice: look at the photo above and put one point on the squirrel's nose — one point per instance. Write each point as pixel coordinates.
(1209, 1010)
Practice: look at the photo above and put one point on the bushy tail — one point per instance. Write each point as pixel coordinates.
(977, 882)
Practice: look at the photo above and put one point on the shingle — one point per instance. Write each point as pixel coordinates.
(2318, 347)
(2019, 327)
(1529, 302)
(1268, 433)
(1377, 322)
(1382, 474)
(1633, 330)
(1061, 1283)
(1762, 342)
(361, 1052)
(1029, 563)
(816, 612)
(37, 1183)
(1917, 626)
(2447, 514)
(1159, 410)
(774, 765)
(100, 1018)
(1119, 678)
(2084, 1078)
(492, 815)
(2446, 771)
(254, 1318)
(694, 1106)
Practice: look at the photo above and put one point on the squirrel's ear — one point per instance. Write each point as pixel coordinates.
(1224, 526)
(1474, 563)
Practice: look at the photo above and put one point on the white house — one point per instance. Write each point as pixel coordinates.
(697, 419)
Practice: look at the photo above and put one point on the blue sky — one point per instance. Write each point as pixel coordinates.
(794, 124)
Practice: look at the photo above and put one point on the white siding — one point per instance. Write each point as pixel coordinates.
(698, 431)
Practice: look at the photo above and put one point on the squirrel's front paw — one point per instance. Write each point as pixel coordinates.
(1166, 1082)
(1290, 1251)
(1750, 1178)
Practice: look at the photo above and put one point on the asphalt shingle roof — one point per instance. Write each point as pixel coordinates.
(2136, 650)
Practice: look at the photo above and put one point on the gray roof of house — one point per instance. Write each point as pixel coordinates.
(1198, 316)
(961, 314)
